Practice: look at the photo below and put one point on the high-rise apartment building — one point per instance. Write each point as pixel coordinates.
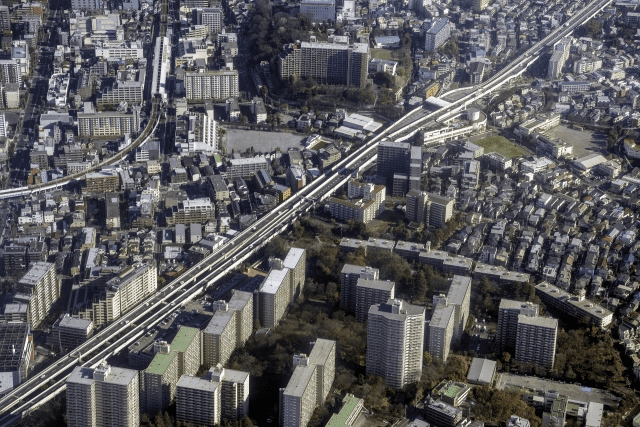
(437, 35)
(182, 357)
(441, 329)
(198, 400)
(203, 133)
(223, 394)
(370, 292)
(16, 350)
(219, 84)
(348, 281)
(105, 396)
(121, 294)
(42, 287)
(219, 337)
(212, 17)
(128, 87)
(318, 11)
(536, 340)
(459, 297)
(431, 209)
(508, 313)
(395, 339)
(309, 385)
(327, 63)
(234, 392)
(108, 123)
(282, 285)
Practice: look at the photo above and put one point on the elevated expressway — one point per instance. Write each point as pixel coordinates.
(204, 275)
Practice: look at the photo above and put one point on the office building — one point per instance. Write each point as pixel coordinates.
(442, 414)
(88, 5)
(309, 385)
(441, 329)
(480, 5)
(536, 340)
(108, 123)
(451, 392)
(211, 17)
(121, 293)
(10, 96)
(128, 87)
(428, 208)
(42, 287)
(282, 285)
(393, 158)
(576, 306)
(190, 211)
(5, 23)
(10, 72)
(327, 63)
(219, 84)
(395, 339)
(104, 396)
(508, 313)
(349, 277)
(182, 357)
(437, 35)
(16, 350)
(198, 400)
(234, 392)
(370, 292)
(318, 11)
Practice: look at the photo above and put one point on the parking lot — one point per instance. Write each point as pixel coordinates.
(241, 140)
(481, 336)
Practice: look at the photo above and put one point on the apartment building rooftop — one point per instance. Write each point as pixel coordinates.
(197, 383)
(442, 316)
(293, 257)
(545, 322)
(161, 361)
(219, 321)
(300, 379)
(273, 281)
(35, 273)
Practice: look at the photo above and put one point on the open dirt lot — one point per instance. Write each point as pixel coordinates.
(262, 142)
(584, 142)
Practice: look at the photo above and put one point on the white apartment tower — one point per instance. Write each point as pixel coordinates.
(459, 297)
(437, 35)
(441, 330)
(42, 286)
(219, 84)
(395, 339)
(536, 340)
(103, 397)
(309, 385)
(508, 314)
(198, 401)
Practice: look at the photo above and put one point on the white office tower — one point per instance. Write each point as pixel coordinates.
(105, 396)
(309, 385)
(536, 340)
(437, 35)
(395, 338)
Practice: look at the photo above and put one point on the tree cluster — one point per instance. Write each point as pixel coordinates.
(496, 406)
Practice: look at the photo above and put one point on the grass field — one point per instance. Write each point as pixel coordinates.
(501, 145)
(381, 54)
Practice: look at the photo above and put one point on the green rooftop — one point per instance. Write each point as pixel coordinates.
(162, 361)
(349, 404)
(449, 389)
